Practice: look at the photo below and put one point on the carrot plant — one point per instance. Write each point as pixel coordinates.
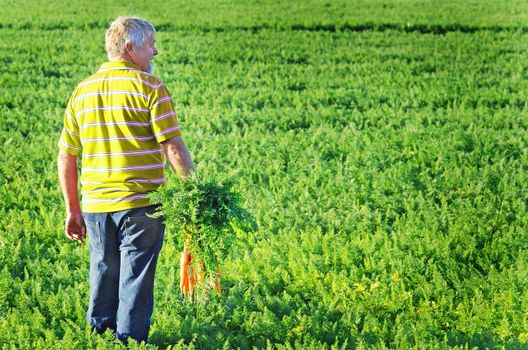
(203, 214)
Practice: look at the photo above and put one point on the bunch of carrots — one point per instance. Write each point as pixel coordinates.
(207, 215)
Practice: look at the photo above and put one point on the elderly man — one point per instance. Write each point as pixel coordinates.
(122, 121)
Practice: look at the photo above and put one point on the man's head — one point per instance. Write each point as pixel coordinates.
(132, 39)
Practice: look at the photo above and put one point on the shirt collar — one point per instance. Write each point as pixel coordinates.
(119, 64)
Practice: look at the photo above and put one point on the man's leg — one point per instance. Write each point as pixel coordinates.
(142, 238)
(104, 271)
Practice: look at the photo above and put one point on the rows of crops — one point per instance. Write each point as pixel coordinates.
(380, 145)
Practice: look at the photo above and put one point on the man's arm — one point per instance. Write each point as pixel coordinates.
(178, 156)
(74, 224)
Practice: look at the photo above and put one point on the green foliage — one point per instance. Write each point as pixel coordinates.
(380, 145)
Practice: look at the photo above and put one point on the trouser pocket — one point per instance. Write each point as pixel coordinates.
(94, 233)
(142, 232)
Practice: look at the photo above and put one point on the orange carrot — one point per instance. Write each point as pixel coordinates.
(193, 275)
(218, 286)
(185, 259)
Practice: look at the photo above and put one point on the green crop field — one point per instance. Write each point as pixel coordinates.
(380, 145)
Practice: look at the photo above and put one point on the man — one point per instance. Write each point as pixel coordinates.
(122, 120)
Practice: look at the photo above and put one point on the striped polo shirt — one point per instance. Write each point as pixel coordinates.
(117, 119)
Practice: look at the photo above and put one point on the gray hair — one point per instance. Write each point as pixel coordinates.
(124, 30)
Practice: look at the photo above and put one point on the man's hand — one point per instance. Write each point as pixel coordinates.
(74, 227)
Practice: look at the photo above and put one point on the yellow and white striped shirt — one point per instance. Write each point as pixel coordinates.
(117, 119)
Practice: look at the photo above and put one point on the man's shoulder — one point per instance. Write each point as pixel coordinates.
(87, 79)
(82, 83)
(103, 75)
(151, 78)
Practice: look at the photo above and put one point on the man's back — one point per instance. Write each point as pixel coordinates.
(118, 118)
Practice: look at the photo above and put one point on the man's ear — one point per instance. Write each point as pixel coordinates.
(129, 47)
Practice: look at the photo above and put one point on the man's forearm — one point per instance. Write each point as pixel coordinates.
(178, 156)
(67, 166)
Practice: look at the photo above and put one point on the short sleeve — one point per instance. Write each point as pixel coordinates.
(70, 141)
(162, 116)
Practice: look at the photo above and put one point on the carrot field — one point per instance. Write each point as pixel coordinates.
(380, 146)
